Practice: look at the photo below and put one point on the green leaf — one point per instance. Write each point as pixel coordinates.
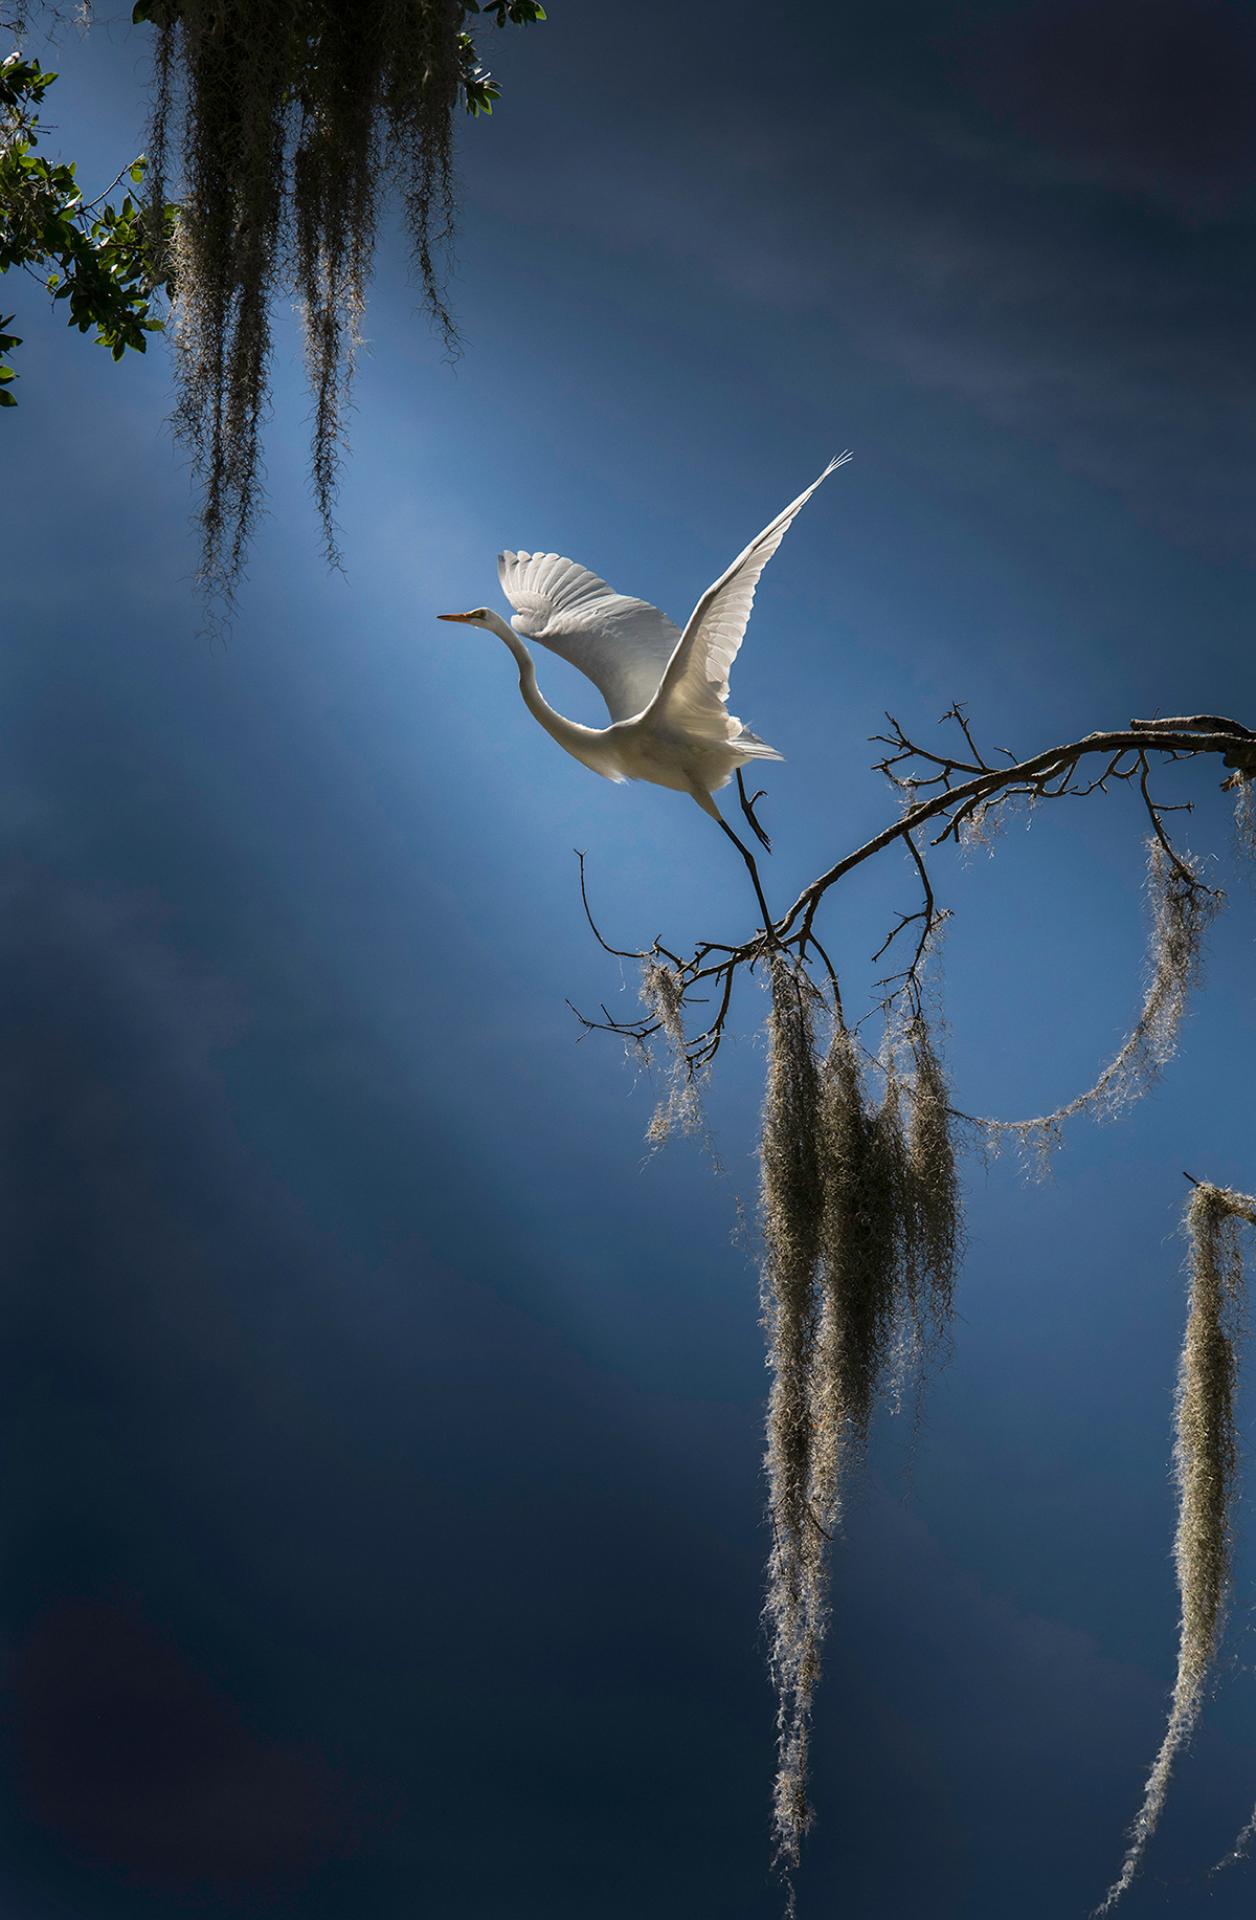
(6, 398)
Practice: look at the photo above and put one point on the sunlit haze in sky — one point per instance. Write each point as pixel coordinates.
(382, 1519)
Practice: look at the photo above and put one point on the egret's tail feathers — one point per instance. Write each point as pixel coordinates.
(750, 745)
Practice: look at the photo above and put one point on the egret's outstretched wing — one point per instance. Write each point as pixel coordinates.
(622, 645)
(693, 693)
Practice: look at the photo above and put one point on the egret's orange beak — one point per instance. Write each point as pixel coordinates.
(464, 617)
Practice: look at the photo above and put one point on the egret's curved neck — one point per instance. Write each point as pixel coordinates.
(568, 733)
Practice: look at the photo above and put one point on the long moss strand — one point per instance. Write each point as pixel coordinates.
(1205, 1459)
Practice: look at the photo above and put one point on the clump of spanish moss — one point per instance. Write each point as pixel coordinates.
(1245, 812)
(680, 1109)
(867, 1225)
(981, 828)
(1205, 1458)
(1182, 908)
(934, 1240)
(292, 126)
(791, 1201)
(859, 1206)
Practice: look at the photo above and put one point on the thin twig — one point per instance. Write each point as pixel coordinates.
(951, 792)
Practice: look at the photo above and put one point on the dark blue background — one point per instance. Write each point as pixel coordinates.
(381, 1520)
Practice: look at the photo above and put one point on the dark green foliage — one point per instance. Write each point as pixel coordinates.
(7, 342)
(97, 258)
(479, 89)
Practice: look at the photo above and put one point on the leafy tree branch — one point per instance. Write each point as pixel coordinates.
(102, 261)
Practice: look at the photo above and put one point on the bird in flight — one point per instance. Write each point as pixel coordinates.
(666, 691)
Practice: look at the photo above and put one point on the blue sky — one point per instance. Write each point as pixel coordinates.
(386, 1530)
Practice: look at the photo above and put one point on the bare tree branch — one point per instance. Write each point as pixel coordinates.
(952, 793)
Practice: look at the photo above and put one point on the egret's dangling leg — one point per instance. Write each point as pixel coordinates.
(748, 808)
(749, 859)
(704, 800)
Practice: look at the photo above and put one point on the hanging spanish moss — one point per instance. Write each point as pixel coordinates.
(844, 1128)
(792, 1204)
(860, 1225)
(847, 1224)
(867, 1227)
(680, 1109)
(289, 136)
(1245, 813)
(1242, 1846)
(935, 1245)
(1205, 1458)
(1182, 908)
(1242, 1208)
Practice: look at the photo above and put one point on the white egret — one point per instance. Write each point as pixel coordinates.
(666, 691)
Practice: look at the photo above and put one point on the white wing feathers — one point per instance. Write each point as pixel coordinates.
(693, 693)
(622, 645)
(634, 654)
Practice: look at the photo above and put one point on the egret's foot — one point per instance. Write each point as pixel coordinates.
(748, 803)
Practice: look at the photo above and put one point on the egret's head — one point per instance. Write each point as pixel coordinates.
(478, 617)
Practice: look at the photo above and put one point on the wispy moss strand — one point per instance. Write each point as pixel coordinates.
(860, 1229)
(1205, 1458)
(289, 134)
